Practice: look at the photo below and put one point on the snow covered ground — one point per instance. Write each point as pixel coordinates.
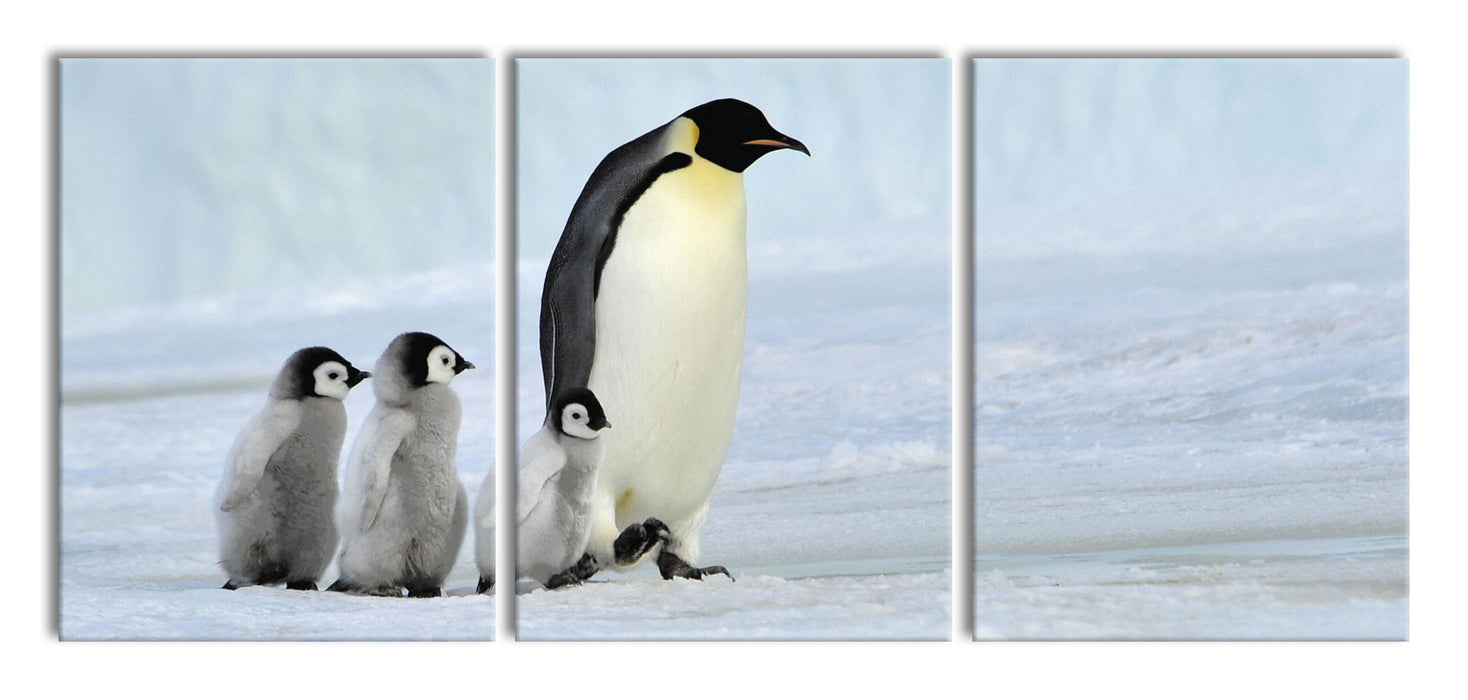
(1191, 350)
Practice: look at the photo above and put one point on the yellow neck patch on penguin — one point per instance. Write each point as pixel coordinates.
(682, 137)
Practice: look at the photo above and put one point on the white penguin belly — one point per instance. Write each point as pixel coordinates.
(670, 318)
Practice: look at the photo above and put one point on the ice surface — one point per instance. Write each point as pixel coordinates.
(1319, 589)
(757, 607)
(1197, 361)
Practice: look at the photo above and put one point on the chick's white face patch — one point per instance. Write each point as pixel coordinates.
(441, 362)
(574, 420)
(331, 380)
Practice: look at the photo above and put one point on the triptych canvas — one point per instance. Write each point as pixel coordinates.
(774, 349)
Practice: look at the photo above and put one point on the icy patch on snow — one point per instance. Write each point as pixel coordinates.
(1325, 589)
(846, 459)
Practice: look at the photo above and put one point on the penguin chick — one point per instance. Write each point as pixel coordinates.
(404, 513)
(644, 303)
(556, 475)
(274, 503)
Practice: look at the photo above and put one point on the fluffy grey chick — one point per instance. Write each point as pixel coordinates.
(274, 504)
(404, 513)
(556, 478)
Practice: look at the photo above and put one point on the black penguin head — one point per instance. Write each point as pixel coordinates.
(733, 134)
(316, 371)
(423, 359)
(577, 413)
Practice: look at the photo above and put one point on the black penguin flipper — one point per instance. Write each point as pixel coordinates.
(573, 278)
(567, 333)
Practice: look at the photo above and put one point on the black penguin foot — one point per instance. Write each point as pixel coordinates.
(425, 592)
(486, 583)
(563, 579)
(300, 586)
(575, 574)
(584, 568)
(638, 539)
(383, 591)
(231, 585)
(671, 565)
(270, 575)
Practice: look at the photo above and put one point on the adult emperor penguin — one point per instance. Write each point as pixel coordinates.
(404, 513)
(644, 303)
(274, 504)
(555, 479)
